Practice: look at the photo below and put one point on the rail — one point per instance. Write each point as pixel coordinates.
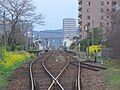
(33, 84)
(79, 73)
(55, 79)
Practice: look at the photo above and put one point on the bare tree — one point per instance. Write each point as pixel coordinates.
(17, 11)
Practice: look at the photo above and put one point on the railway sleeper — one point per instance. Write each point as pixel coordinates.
(82, 66)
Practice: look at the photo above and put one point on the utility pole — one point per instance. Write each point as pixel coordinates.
(86, 28)
(26, 39)
(31, 36)
(88, 42)
(5, 39)
(92, 32)
(79, 47)
(23, 35)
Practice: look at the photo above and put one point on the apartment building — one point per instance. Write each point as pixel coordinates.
(93, 13)
(69, 28)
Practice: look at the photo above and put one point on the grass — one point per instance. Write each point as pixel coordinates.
(9, 62)
(111, 76)
(3, 82)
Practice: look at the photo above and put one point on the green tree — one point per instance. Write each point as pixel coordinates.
(94, 38)
(97, 36)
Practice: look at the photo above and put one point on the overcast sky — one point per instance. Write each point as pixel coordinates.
(55, 11)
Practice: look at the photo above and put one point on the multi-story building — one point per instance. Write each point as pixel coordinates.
(93, 13)
(69, 28)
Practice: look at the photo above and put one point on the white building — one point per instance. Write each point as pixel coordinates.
(67, 43)
(69, 28)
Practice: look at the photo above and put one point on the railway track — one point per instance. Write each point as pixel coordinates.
(55, 78)
(57, 70)
(78, 64)
(32, 79)
(88, 67)
(86, 64)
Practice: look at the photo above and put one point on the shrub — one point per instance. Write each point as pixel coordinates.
(18, 47)
(12, 60)
(9, 62)
(33, 55)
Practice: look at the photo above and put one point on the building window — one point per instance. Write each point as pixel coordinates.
(80, 2)
(107, 9)
(80, 16)
(88, 17)
(107, 2)
(80, 23)
(101, 17)
(113, 3)
(101, 10)
(88, 23)
(101, 24)
(88, 10)
(80, 9)
(88, 3)
(101, 3)
(113, 10)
